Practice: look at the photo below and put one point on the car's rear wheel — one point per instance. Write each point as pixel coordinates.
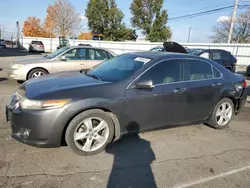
(222, 114)
(36, 73)
(89, 132)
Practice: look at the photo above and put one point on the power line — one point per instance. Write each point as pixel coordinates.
(198, 9)
(202, 13)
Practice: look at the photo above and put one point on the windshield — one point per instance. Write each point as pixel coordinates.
(194, 51)
(57, 52)
(118, 68)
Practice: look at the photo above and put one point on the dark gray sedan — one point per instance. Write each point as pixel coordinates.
(129, 93)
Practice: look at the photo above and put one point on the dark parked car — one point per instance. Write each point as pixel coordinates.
(84, 44)
(222, 57)
(129, 93)
(2, 43)
(248, 70)
(194, 51)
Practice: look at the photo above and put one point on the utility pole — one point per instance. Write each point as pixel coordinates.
(233, 21)
(1, 32)
(189, 34)
(18, 34)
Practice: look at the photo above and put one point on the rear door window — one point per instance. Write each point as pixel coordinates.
(97, 54)
(198, 70)
(37, 42)
(217, 73)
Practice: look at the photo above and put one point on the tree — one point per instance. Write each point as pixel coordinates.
(105, 18)
(62, 18)
(241, 32)
(32, 27)
(151, 18)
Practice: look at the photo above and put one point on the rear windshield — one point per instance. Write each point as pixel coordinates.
(37, 42)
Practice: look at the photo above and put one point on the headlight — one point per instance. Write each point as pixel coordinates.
(17, 66)
(27, 104)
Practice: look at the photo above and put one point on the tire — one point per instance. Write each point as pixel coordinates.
(39, 71)
(77, 126)
(214, 118)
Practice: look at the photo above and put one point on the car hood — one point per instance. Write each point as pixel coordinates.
(56, 82)
(29, 60)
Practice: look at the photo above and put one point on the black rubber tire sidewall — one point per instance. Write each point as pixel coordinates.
(69, 135)
(35, 70)
(212, 119)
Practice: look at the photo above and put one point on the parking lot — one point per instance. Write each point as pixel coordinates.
(187, 156)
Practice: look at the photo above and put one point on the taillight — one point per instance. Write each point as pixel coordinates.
(240, 86)
(244, 84)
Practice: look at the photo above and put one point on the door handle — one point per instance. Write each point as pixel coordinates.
(180, 90)
(82, 64)
(216, 84)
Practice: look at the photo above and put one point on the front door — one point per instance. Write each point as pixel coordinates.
(204, 85)
(73, 59)
(162, 105)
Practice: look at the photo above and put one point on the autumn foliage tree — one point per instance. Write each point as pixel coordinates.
(62, 19)
(32, 28)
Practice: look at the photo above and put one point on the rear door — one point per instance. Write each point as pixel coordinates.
(73, 59)
(204, 86)
(95, 57)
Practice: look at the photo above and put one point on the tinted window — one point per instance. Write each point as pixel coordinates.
(71, 55)
(81, 53)
(216, 56)
(199, 70)
(96, 54)
(57, 52)
(158, 49)
(163, 73)
(118, 68)
(227, 55)
(217, 74)
(37, 42)
(205, 55)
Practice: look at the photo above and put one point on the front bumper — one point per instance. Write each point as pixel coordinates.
(17, 74)
(41, 128)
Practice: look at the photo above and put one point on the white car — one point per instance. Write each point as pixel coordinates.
(64, 59)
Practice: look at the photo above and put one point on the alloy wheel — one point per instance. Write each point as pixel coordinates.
(224, 114)
(37, 74)
(91, 134)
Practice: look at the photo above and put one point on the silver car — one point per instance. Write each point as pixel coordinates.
(36, 46)
(64, 59)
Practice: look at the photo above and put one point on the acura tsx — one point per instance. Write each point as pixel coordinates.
(129, 93)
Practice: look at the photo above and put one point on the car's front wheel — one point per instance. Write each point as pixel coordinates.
(222, 114)
(89, 132)
(36, 73)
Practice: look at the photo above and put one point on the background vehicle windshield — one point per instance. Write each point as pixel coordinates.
(57, 52)
(118, 68)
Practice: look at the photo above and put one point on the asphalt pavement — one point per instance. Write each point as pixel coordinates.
(180, 157)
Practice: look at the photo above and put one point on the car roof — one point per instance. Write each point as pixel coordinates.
(93, 47)
(154, 55)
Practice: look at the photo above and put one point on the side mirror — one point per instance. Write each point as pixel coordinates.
(63, 58)
(147, 84)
